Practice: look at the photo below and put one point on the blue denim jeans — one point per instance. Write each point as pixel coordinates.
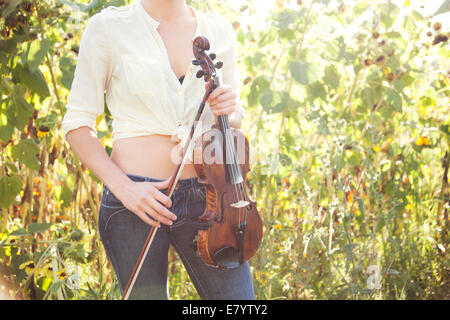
(123, 235)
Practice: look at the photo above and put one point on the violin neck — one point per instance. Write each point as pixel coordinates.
(229, 151)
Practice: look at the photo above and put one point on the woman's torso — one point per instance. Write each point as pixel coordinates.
(158, 155)
(152, 111)
(149, 156)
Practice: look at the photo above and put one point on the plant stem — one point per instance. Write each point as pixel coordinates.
(49, 65)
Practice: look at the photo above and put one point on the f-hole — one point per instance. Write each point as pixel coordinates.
(219, 218)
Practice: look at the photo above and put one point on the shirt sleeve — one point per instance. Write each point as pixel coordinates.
(91, 78)
(230, 72)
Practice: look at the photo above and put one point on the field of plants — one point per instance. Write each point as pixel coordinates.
(348, 120)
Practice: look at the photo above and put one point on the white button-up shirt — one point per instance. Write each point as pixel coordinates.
(121, 52)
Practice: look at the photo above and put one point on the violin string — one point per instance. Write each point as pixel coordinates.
(230, 150)
(233, 165)
(228, 153)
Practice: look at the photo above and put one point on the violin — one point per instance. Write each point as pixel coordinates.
(230, 227)
(233, 226)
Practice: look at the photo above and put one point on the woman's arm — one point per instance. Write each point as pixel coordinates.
(93, 155)
(85, 104)
(139, 197)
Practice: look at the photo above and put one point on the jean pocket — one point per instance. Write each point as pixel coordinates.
(109, 200)
(109, 207)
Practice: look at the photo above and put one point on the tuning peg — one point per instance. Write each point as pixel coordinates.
(212, 56)
(196, 62)
(200, 73)
(219, 64)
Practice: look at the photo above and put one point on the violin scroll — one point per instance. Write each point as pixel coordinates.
(200, 45)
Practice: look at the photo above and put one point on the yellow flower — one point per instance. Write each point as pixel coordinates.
(41, 134)
(375, 148)
(350, 198)
(278, 227)
(29, 267)
(47, 271)
(423, 141)
(62, 274)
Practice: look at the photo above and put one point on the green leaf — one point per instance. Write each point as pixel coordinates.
(39, 227)
(6, 132)
(16, 261)
(445, 128)
(285, 18)
(393, 99)
(304, 73)
(258, 86)
(67, 67)
(9, 189)
(25, 152)
(331, 77)
(66, 195)
(45, 283)
(268, 37)
(352, 157)
(360, 8)
(8, 46)
(12, 166)
(21, 232)
(368, 97)
(316, 90)
(49, 121)
(36, 54)
(55, 286)
(274, 102)
(35, 81)
(374, 119)
(19, 111)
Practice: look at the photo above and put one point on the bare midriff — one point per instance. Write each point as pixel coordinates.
(154, 156)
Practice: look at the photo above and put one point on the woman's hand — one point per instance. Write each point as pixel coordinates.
(223, 100)
(144, 199)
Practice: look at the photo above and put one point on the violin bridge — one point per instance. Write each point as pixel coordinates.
(240, 204)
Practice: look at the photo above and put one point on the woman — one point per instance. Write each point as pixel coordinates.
(141, 55)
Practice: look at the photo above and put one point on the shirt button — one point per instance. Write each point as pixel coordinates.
(180, 92)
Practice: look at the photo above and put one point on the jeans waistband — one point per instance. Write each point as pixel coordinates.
(181, 184)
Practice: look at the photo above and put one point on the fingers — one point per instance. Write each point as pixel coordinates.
(164, 215)
(162, 184)
(222, 100)
(219, 90)
(144, 217)
(223, 89)
(226, 107)
(156, 211)
(161, 197)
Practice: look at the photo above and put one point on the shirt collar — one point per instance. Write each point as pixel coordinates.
(154, 23)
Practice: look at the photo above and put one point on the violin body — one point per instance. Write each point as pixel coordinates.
(232, 234)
